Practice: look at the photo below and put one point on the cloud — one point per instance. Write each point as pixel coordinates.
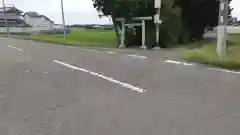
(236, 6)
(78, 18)
(76, 11)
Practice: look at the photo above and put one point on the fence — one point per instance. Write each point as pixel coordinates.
(30, 30)
(16, 30)
(233, 30)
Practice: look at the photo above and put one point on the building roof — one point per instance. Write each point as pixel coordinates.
(35, 14)
(10, 9)
(32, 14)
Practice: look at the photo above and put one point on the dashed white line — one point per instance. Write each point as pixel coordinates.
(224, 70)
(90, 50)
(123, 84)
(57, 127)
(191, 64)
(137, 56)
(73, 47)
(14, 48)
(179, 62)
(174, 62)
(111, 52)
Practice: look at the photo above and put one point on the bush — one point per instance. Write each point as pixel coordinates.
(171, 27)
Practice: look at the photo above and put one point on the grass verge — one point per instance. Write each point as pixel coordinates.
(206, 54)
(94, 38)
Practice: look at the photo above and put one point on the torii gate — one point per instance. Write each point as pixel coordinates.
(157, 21)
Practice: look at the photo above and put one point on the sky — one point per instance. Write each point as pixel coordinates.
(76, 11)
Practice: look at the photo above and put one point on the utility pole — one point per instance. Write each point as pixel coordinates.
(157, 21)
(5, 16)
(222, 29)
(63, 20)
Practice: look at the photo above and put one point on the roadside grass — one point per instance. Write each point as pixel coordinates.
(94, 38)
(206, 54)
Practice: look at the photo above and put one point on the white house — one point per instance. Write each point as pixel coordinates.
(38, 22)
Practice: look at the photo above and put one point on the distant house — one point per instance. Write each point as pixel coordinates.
(13, 17)
(57, 26)
(37, 21)
(233, 21)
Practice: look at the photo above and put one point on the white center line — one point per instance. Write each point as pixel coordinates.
(125, 85)
(224, 70)
(179, 62)
(14, 48)
(137, 56)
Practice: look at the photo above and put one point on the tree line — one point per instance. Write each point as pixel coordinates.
(184, 21)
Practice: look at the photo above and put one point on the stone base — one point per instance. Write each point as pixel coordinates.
(122, 46)
(143, 47)
(156, 48)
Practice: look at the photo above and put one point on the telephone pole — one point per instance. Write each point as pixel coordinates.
(222, 29)
(5, 16)
(63, 20)
(157, 21)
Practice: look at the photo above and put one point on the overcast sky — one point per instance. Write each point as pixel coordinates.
(76, 11)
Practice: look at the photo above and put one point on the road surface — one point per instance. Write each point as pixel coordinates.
(59, 90)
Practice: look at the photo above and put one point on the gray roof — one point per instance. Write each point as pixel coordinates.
(10, 9)
(32, 14)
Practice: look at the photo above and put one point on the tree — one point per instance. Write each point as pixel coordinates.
(109, 8)
(198, 14)
(184, 20)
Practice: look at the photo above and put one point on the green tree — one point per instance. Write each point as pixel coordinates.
(183, 20)
(197, 15)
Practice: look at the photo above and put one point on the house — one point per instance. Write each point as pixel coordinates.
(13, 17)
(37, 21)
(233, 21)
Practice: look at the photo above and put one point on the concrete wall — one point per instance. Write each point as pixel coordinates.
(29, 30)
(16, 29)
(233, 30)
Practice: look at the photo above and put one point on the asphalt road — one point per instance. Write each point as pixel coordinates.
(59, 90)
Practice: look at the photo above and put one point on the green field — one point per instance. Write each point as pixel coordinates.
(100, 38)
(206, 54)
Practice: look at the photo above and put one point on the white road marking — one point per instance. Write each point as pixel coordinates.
(179, 62)
(26, 118)
(224, 70)
(91, 50)
(57, 127)
(111, 52)
(125, 85)
(191, 64)
(137, 56)
(73, 47)
(14, 48)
